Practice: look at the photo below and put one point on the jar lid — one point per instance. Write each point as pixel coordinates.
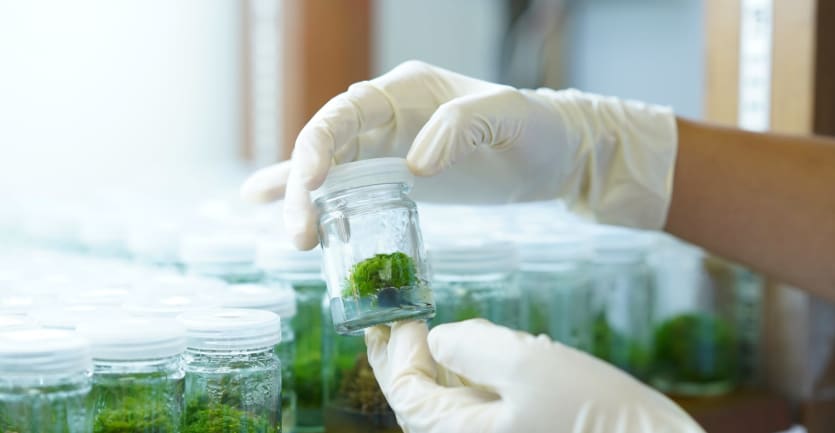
(169, 304)
(277, 255)
(541, 253)
(374, 171)
(134, 338)
(613, 245)
(231, 329)
(217, 248)
(13, 322)
(281, 301)
(113, 296)
(43, 351)
(473, 257)
(70, 316)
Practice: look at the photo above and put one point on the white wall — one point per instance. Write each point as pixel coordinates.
(652, 50)
(116, 92)
(462, 35)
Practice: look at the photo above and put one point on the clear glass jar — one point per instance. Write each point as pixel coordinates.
(353, 400)
(476, 279)
(556, 288)
(701, 319)
(281, 301)
(622, 301)
(233, 376)
(371, 241)
(137, 374)
(229, 256)
(282, 264)
(44, 382)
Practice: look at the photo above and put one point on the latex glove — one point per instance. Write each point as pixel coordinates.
(484, 143)
(508, 382)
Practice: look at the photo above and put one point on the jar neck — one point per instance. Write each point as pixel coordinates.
(354, 198)
(133, 366)
(253, 353)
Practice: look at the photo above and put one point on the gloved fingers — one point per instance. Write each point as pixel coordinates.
(481, 353)
(362, 108)
(401, 355)
(493, 118)
(267, 184)
(299, 214)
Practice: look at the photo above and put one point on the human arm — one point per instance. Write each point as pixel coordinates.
(766, 200)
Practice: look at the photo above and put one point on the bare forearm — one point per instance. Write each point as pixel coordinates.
(765, 200)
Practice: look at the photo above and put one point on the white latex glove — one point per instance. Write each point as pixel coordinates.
(484, 143)
(508, 382)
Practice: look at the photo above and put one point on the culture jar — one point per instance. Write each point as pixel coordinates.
(45, 379)
(137, 374)
(476, 279)
(232, 374)
(281, 301)
(554, 279)
(372, 247)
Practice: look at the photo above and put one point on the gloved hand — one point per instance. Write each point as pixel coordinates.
(487, 144)
(490, 379)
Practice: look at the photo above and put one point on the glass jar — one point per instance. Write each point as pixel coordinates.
(282, 264)
(233, 376)
(475, 279)
(698, 323)
(353, 400)
(137, 374)
(281, 301)
(622, 301)
(44, 382)
(372, 248)
(229, 256)
(556, 288)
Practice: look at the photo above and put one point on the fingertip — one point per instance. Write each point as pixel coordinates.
(376, 336)
(267, 184)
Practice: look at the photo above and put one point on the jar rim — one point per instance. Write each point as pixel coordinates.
(231, 328)
(43, 351)
(367, 172)
(134, 338)
(281, 301)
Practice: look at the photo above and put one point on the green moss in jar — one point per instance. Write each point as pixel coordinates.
(381, 276)
(695, 348)
(139, 403)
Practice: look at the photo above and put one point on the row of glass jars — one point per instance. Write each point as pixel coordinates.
(210, 370)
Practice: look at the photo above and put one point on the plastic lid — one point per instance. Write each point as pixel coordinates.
(104, 296)
(183, 284)
(12, 322)
(544, 252)
(43, 351)
(218, 248)
(169, 304)
(375, 171)
(134, 338)
(476, 257)
(281, 301)
(613, 245)
(277, 255)
(231, 329)
(70, 316)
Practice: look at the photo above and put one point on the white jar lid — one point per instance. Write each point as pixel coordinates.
(547, 251)
(231, 329)
(277, 255)
(281, 301)
(70, 316)
(104, 296)
(617, 245)
(134, 338)
(169, 304)
(473, 257)
(230, 247)
(43, 351)
(375, 171)
(13, 322)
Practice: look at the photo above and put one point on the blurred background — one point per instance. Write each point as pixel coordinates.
(136, 120)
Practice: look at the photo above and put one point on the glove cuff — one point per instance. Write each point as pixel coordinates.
(631, 152)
